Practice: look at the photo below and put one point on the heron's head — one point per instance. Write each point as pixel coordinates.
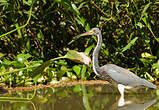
(93, 31)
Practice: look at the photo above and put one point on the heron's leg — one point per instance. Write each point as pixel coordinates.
(121, 101)
(121, 89)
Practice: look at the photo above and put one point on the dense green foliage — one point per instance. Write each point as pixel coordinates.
(34, 32)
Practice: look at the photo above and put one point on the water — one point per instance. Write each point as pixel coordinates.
(81, 97)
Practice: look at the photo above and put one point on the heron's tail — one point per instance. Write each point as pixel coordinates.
(148, 84)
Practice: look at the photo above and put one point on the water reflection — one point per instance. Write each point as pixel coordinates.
(138, 106)
(82, 97)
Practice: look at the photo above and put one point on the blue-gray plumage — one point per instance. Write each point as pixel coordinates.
(118, 74)
(124, 76)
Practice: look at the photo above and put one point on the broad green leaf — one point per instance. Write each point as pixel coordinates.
(131, 43)
(79, 57)
(77, 70)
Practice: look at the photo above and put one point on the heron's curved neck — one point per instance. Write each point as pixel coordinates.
(95, 54)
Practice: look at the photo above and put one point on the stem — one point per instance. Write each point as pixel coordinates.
(19, 27)
(16, 70)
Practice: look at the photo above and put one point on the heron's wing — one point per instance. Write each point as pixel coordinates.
(120, 75)
(124, 76)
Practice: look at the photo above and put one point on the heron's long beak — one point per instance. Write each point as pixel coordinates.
(85, 34)
(80, 35)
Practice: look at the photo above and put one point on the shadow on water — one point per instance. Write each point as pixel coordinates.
(81, 97)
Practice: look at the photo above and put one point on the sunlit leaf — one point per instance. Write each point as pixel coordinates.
(79, 57)
(106, 0)
(81, 20)
(147, 55)
(75, 9)
(22, 57)
(145, 9)
(77, 70)
(157, 39)
(131, 43)
(69, 74)
(155, 68)
(145, 20)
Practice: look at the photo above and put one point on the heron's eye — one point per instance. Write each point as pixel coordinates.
(94, 31)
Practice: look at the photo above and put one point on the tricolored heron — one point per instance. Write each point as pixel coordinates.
(121, 76)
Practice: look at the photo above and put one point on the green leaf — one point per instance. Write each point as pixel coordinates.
(72, 55)
(88, 49)
(1, 55)
(155, 68)
(77, 89)
(131, 43)
(77, 70)
(147, 55)
(145, 20)
(22, 57)
(81, 21)
(38, 71)
(75, 9)
(62, 71)
(69, 74)
(145, 9)
(40, 37)
(157, 39)
(28, 44)
(79, 57)
(4, 2)
(28, 2)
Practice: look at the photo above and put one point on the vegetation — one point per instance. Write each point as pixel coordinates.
(35, 36)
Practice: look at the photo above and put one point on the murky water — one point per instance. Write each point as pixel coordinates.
(82, 97)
